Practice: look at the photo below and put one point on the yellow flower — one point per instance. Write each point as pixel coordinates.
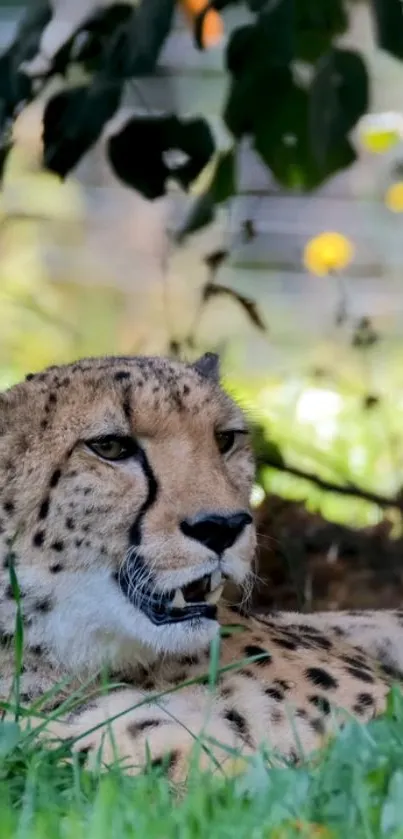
(380, 132)
(379, 142)
(327, 252)
(394, 197)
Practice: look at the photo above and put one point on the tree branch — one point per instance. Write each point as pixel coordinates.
(350, 489)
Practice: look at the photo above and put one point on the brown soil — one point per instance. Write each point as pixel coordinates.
(308, 563)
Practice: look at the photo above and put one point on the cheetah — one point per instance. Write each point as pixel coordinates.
(124, 507)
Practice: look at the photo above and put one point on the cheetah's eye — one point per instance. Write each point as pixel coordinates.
(113, 448)
(226, 439)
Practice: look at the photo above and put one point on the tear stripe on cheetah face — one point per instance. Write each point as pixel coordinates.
(75, 516)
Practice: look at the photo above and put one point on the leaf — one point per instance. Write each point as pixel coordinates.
(92, 41)
(73, 121)
(223, 185)
(282, 138)
(276, 27)
(388, 24)
(119, 41)
(265, 102)
(249, 306)
(15, 86)
(258, 58)
(338, 97)
(5, 149)
(147, 151)
(135, 51)
(317, 24)
(9, 737)
(240, 50)
(392, 809)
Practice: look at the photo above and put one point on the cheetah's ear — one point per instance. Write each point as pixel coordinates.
(209, 366)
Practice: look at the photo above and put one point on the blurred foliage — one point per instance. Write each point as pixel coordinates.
(331, 431)
(299, 127)
(43, 321)
(301, 132)
(336, 430)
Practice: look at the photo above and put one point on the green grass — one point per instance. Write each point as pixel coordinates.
(355, 789)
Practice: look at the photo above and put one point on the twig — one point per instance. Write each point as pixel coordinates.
(350, 489)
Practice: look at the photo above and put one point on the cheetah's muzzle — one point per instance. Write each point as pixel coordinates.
(197, 599)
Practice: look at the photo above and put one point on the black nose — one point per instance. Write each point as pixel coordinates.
(214, 531)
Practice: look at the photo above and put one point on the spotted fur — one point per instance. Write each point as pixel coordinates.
(70, 521)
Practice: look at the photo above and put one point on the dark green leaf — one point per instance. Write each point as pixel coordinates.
(92, 41)
(256, 5)
(388, 19)
(73, 121)
(5, 149)
(15, 86)
(223, 185)
(148, 151)
(282, 138)
(317, 24)
(135, 50)
(258, 58)
(276, 23)
(219, 5)
(254, 97)
(240, 50)
(267, 43)
(339, 96)
(265, 102)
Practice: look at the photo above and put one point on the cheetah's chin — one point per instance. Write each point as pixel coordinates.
(197, 599)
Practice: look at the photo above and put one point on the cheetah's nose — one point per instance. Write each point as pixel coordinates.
(217, 532)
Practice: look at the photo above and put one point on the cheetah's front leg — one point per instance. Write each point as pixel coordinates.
(140, 730)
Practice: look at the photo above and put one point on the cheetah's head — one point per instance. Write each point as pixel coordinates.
(124, 490)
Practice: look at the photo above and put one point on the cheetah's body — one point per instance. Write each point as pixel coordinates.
(95, 541)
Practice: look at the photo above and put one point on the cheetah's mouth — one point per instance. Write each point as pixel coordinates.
(197, 599)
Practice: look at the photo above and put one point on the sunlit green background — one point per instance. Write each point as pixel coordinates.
(321, 425)
(333, 410)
